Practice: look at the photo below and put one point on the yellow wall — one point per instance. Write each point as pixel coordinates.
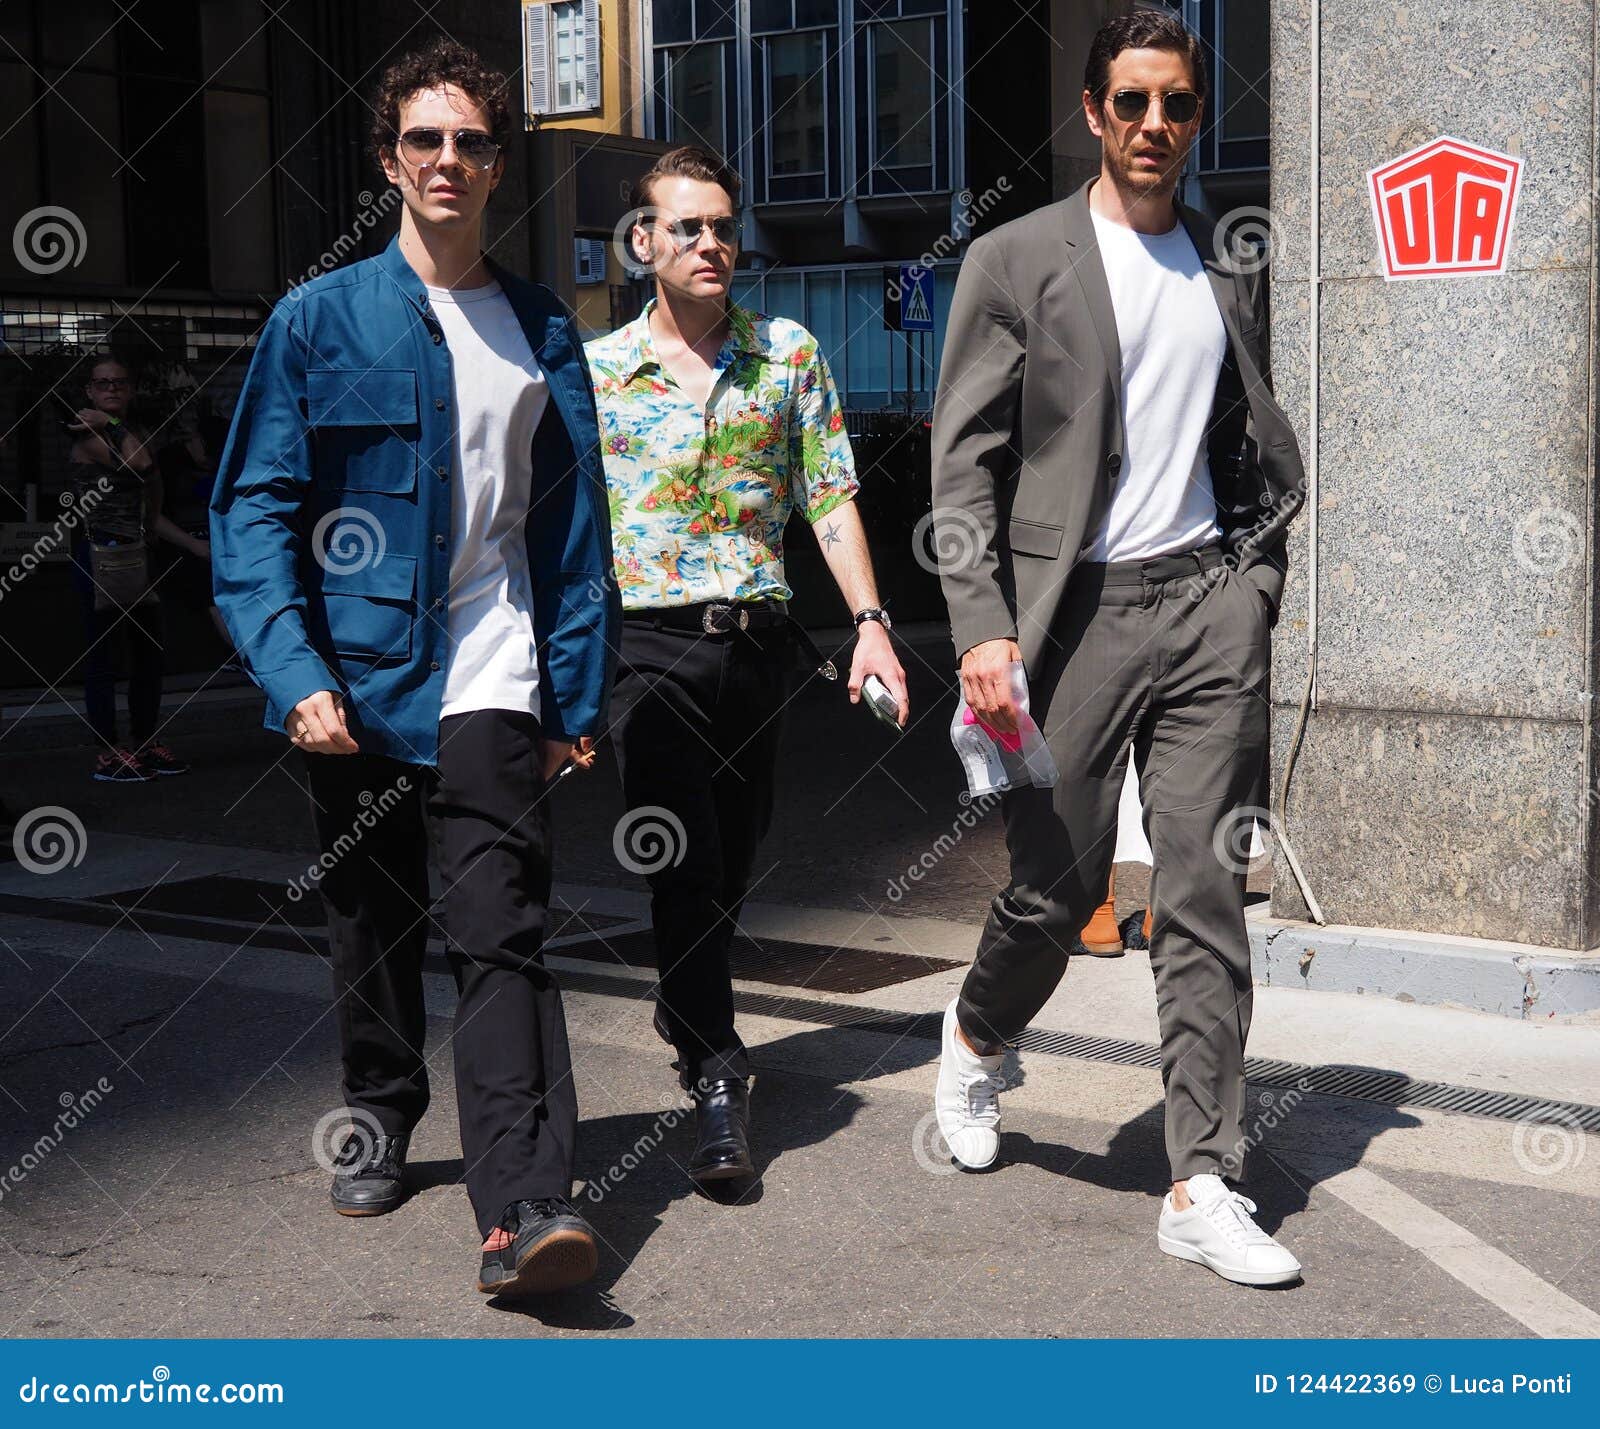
(617, 114)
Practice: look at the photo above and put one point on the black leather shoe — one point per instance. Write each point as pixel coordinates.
(551, 1248)
(722, 1131)
(373, 1183)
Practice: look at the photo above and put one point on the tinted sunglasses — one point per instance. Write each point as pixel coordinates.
(474, 148)
(686, 231)
(1178, 105)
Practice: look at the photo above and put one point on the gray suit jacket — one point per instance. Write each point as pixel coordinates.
(1028, 425)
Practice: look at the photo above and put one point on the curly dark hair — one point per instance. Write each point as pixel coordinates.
(1142, 30)
(440, 61)
(687, 161)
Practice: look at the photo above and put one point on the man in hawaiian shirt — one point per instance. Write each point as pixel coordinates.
(715, 423)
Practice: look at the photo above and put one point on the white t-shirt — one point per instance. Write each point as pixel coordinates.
(500, 395)
(1173, 343)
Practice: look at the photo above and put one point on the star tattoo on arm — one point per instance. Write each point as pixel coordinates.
(830, 536)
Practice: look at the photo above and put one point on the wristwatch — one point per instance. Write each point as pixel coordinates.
(873, 612)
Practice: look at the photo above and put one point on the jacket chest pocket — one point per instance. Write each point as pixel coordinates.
(364, 426)
(368, 611)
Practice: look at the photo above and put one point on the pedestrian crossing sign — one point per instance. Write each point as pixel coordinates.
(916, 298)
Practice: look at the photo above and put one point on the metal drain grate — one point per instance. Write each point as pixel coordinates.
(1357, 1083)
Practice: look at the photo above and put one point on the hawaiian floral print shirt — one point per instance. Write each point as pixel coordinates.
(700, 497)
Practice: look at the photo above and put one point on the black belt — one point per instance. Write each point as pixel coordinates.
(1154, 569)
(723, 617)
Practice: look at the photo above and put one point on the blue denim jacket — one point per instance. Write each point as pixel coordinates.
(331, 515)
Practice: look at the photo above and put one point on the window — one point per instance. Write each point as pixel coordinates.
(694, 96)
(562, 40)
(797, 98)
(842, 306)
(902, 139)
(902, 95)
(589, 260)
(695, 92)
(1242, 70)
(154, 133)
(1236, 37)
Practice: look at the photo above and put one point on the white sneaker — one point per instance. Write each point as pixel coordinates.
(1217, 1232)
(967, 1099)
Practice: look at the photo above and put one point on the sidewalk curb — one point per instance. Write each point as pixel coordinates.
(1517, 980)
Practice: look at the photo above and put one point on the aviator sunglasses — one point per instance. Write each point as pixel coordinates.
(474, 148)
(1179, 105)
(685, 231)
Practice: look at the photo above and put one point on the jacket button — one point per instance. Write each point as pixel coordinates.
(434, 665)
(438, 337)
(438, 541)
(438, 404)
(1113, 464)
(443, 471)
(438, 602)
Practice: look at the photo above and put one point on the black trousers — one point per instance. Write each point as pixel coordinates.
(696, 721)
(484, 806)
(108, 634)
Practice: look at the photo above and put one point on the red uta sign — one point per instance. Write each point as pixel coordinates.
(1445, 210)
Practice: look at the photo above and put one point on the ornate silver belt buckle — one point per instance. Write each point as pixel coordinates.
(744, 618)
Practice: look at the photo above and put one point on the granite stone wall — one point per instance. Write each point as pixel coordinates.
(1442, 782)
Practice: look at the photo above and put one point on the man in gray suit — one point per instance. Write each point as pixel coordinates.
(1115, 479)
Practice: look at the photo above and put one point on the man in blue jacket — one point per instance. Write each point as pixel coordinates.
(412, 550)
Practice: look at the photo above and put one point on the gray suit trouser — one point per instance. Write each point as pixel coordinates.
(1169, 659)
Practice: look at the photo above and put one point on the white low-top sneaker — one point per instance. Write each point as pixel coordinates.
(1217, 1232)
(967, 1099)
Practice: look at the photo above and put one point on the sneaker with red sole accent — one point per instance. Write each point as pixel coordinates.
(158, 759)
(120, 766)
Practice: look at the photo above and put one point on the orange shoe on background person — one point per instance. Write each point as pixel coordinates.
(1101, 935)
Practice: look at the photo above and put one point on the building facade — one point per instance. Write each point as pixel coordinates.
(177, 168)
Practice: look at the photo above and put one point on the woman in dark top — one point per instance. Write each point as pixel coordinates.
(117, 489)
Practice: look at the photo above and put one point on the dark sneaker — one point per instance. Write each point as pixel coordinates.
(369, 1175)
(158, 759)
(551, 1248)
(120, 766)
